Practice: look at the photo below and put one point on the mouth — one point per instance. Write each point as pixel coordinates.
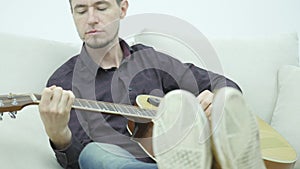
(94, 31)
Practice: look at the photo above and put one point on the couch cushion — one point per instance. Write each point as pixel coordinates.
(251, 62)
(26, 63)
(286, 116)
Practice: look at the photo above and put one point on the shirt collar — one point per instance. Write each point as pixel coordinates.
(92, 66)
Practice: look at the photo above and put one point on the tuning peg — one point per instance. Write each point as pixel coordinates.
(1, 116)
(10, 96)
(13, 114)
(14, 102)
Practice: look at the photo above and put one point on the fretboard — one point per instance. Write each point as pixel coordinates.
(110, 108)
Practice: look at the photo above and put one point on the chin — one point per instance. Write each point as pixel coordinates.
(96, 43)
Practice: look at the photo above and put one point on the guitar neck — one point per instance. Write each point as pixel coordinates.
(106, 107)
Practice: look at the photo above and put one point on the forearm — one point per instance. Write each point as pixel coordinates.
(62, 139)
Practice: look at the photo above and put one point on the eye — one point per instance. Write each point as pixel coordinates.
(80, 10)
(102, 7)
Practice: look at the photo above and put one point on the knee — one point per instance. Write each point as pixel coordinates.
(88, 158)
(88, 151)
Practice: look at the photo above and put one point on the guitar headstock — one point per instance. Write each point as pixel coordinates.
(15, 102)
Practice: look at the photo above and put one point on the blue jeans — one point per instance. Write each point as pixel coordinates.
(108, 156)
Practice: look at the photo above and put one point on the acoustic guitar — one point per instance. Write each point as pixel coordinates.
(277, 153)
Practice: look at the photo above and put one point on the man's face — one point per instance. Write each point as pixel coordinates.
(97, 21)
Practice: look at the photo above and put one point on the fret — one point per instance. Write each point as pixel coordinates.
(94, 105)
(135, 110)
(150, 113)
(85, 104)
(123, 109)
(110, 107)
(128, 110)
(77, 103)
(131, 112)
(153, 113)
(102, 106)
(88, 104)
(141, 112)
(147, 113)
(120, 109)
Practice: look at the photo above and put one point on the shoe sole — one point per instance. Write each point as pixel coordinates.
(235, 134)
(180, 137)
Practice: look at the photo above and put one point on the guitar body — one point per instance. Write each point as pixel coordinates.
(143, 136)
(142, 132)
(276, 151)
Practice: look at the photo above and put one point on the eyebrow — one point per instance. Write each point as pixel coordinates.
(95, 4)
(101, 2)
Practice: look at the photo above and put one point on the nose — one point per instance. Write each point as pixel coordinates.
(92, 18)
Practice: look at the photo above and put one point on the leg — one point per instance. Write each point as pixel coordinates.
(181, 133)
(108, 156)
(235, 132)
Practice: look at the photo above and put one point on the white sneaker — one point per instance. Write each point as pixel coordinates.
(181, 133)
(235, 132)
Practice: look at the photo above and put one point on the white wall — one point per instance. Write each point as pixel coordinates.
(230, 17)
(52, 19)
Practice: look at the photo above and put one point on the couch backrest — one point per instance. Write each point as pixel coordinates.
(26, 63)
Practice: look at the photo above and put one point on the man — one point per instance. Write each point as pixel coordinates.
(107, 69)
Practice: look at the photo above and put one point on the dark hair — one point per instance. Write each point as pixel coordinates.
(118, 1)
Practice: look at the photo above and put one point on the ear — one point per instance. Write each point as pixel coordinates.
(123, 7)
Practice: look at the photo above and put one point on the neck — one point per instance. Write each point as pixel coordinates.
(107, 57)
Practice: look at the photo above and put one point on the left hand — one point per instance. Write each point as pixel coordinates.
(205, 98)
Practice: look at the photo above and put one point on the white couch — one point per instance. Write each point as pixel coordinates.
(26, 64)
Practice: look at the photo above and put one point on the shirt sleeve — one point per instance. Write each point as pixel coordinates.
(68, 157)
(190, 77)
(207, 80)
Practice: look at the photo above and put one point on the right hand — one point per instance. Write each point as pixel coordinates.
(205, 99)
(55, 107)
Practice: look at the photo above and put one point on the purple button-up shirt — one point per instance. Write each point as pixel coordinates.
(142, 71)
